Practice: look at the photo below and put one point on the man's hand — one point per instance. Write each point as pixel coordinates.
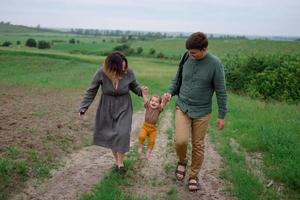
(220, 124)
(167, 96)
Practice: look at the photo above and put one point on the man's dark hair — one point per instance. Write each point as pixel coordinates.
(197, 40)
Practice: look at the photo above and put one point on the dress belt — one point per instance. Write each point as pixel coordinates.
(115, 95)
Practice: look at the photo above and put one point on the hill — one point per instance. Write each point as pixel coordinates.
(6, 27)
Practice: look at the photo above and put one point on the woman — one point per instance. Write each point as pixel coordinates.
(114, 113)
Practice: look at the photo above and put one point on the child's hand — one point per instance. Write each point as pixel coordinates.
(145, 90)
(167, 97)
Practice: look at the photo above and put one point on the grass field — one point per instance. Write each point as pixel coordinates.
(267, 131)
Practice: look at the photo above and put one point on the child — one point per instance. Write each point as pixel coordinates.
(153, 107)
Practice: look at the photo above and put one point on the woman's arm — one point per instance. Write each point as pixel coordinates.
(134, 86)
(145, 94)
(90, 93)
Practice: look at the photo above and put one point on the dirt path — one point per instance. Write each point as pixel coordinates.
(153, 180)
(82, 171)
(40, 119)
(212, 186)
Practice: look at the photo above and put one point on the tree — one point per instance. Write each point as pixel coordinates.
(31, 42)
(18, 42)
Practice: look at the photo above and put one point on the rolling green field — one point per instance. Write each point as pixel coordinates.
(253, 127)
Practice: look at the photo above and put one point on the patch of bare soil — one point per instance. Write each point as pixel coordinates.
(82, 171)
(42, 119)
(45, 121)
(41, 122)
(153, 180)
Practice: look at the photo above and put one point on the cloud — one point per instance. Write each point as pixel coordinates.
(232, 16)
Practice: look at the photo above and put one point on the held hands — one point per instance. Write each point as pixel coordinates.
(166, 97)
(220, 124)
(145, 90)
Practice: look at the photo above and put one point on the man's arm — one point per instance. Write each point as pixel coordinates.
(164, 100)
(221, 94)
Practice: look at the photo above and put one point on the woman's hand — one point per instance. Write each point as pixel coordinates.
(145, 90)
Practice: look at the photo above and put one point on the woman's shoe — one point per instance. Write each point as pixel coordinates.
(122, 170)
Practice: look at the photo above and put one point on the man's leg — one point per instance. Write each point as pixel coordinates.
(182, 131)
(199, 129)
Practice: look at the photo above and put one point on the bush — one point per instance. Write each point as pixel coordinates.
(43, 44)
(72, 41)
(31, 43)
(6, 44)
(267, 77)
(139, 50)
(160, 55)
(124, 48)
(152, 51)
(18, 42)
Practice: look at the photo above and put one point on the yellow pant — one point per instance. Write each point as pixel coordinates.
(150, 131)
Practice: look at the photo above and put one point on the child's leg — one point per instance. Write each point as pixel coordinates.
(148, 154)
(151, 142)
(140, 149)
(142, 136)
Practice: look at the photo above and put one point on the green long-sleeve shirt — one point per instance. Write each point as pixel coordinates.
(200, 79)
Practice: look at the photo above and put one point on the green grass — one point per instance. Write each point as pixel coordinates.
(170, 47)
(17, 165)
(44, 72)
(269, 128)
(62, 71)
(110, 187)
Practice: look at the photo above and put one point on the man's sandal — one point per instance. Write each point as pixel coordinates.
(179, 172)
(193, 184)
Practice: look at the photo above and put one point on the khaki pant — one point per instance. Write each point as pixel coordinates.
(150, 131)
(198, 128)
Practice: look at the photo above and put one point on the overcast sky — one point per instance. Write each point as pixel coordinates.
(246, 17)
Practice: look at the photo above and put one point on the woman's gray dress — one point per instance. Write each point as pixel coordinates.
(114, 113)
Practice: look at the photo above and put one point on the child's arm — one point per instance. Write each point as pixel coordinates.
(164, 101)
(145, 93)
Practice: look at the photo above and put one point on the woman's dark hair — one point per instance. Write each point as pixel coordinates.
(114, 63)
(197, 40)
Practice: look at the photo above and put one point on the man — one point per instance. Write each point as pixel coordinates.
(202, 74)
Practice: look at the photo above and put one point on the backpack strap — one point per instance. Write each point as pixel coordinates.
(180, 68)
